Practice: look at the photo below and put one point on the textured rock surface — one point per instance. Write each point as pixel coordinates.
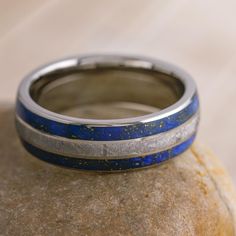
(189, 195)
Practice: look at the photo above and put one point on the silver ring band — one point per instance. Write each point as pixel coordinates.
(154, 112)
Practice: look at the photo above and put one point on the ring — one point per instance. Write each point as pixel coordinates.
(107, 112)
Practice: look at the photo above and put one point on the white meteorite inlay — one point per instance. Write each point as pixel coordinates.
(108, 149)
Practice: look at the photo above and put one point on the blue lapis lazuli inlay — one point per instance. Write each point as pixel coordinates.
(109, 165)
(83, 132)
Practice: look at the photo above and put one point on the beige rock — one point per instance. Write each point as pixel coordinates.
(189, 195)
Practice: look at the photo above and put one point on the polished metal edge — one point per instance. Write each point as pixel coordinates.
(108, 149)
(94, 61)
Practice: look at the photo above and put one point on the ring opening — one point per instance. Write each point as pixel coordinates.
(107, 92)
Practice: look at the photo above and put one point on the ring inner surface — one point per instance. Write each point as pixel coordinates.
(106, 93)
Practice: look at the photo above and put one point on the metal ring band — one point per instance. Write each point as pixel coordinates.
(107, 144)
